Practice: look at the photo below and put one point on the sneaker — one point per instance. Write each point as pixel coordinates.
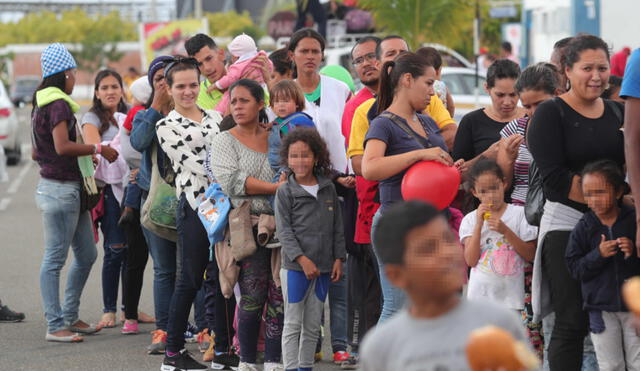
(317, 357)
(273, 243)
(340, 356)
(190, 333)
(130, 327)
(158, 342)
(247, 367)
(209, 353)
(181, 362)
(204, 339)
(271, 366)
(7, 315)
(226, 361)
(350, 364)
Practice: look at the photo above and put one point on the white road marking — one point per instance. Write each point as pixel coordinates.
(15, 185)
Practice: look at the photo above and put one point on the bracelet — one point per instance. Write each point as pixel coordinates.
(95, 148)
(98, 148)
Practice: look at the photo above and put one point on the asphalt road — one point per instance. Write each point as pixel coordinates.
(22, 345)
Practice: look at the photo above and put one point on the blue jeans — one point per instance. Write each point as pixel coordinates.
(64, 226)
(163, 253)
(393, 297)
(338, 312)
(115, 252)
(132, 196)
(193, 254)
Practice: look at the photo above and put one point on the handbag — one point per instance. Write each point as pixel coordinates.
(158, 213)
(243, 243)
(90, 193)
(213, 212)
(534, 206)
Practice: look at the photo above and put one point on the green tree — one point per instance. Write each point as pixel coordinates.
(73, 26)
(231, 24)
(420, 21)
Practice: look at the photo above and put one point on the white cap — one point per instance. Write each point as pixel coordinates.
(242, 45)
(140, 89)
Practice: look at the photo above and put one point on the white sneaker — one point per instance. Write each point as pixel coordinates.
(247, 367)
(271, 366)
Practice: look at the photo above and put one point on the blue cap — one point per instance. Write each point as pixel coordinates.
(156, 64)
(56, 58)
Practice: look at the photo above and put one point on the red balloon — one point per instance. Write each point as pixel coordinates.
(432, 182)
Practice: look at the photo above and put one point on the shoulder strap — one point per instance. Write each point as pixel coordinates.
(403, 125)
(289, 119)
(616, 110)
(556, 101)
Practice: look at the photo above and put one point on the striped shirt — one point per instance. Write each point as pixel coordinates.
(521, 165)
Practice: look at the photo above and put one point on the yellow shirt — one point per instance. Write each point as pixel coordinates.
(360, 123)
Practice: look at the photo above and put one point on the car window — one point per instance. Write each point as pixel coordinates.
(454, 84)
(470, 82)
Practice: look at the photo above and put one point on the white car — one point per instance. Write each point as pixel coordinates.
(461, 83)
(9, 128)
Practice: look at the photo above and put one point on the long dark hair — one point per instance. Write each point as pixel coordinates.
(391, 73)
(57, 80)
(106, 117)
(256, 92)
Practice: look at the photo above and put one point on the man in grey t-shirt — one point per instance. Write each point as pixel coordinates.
(422, 256)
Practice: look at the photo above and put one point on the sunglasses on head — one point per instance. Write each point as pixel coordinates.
(180, 60)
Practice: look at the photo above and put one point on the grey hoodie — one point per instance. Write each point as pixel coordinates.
(309, 226)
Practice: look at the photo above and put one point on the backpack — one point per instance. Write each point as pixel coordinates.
(534, 207)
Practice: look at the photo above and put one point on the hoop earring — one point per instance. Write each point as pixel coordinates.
(607, 87)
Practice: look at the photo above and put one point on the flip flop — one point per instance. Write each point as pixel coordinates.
(145, 318)
(75, 338)
(92, 329)
(108, 320)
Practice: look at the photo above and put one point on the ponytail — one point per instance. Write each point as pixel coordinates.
(386, 89)
(391, 73)
(262, 116)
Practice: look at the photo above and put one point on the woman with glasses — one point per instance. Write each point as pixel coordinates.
(183, 135)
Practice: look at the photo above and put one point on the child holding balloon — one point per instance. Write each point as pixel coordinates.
(497, 240)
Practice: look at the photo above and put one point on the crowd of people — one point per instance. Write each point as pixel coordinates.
(308, 206)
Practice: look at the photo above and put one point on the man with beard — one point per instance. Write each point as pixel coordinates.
(367, 66)
(364, 294)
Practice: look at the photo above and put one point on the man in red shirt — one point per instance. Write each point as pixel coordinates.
(363, 285)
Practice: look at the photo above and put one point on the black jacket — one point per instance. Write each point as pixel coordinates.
(602, 278)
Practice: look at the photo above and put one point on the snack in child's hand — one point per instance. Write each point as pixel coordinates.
(631, 294)
(492, 348)
(487, 214)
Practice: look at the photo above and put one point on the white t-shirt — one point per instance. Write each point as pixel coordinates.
(499, 274)
(311, 189)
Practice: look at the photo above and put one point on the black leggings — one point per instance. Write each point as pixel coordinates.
(137, 256)
(572, 323)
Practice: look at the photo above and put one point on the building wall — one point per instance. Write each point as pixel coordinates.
(619, 27)
(550, 22)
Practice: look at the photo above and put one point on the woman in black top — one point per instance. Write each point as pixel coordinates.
(565, 134)
(479, 130)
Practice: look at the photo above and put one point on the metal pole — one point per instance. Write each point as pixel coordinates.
(198, 9)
